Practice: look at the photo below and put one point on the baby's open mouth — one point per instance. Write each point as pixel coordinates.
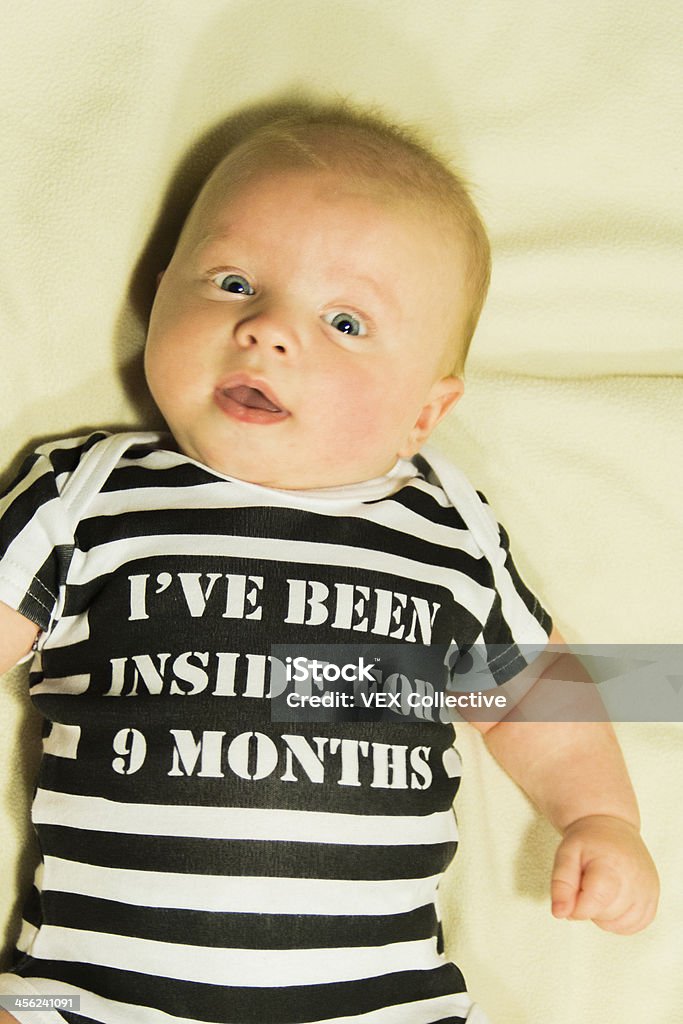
(251, 397)
(249, 404)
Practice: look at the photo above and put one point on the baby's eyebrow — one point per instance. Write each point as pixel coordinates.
(212, 249)
(212, 239)
(382, 291)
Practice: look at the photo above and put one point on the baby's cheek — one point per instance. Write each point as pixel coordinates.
(363, 417)
(358, 413)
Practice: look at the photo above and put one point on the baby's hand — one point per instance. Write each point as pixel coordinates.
(604, 873)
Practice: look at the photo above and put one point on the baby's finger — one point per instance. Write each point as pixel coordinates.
(598, 895)
(625, 924)
(565, 881)
(633, 920)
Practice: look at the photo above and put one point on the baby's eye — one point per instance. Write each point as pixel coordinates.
(234, 283)
(346, 323)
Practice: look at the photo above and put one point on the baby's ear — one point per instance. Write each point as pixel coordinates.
(443, 395)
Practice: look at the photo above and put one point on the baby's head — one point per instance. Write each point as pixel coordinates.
(313, 322)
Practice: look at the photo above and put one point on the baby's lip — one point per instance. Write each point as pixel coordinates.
(250, 398)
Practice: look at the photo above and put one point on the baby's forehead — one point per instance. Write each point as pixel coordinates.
(228, 183)
(224, 191)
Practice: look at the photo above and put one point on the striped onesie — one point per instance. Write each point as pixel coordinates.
(201, 862)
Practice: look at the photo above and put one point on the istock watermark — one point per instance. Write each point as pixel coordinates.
(444, 683)
(301, 669)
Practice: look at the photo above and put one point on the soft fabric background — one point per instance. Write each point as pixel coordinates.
(568, 121)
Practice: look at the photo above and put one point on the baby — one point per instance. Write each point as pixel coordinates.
(200, 861)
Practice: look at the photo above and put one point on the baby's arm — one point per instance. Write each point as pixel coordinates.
(575, 774)
(17, 634)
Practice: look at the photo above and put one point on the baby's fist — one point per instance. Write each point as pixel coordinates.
(604, 873)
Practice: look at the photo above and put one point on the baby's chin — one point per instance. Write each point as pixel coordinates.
(315, 473)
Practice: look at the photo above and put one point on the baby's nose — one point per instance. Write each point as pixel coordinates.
(268, 331)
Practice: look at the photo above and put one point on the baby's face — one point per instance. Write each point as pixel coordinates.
(299, 335)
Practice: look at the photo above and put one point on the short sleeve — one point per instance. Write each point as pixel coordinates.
(518, 626)
(36, 533)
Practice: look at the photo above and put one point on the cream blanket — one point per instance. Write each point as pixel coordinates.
(568, 120)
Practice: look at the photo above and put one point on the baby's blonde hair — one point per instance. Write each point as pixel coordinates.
(370, 150)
